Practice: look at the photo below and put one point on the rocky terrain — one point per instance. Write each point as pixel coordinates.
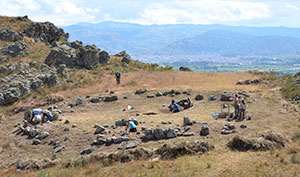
(40, 68)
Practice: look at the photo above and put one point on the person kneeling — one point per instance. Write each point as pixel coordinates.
(132, 126)
(176, 108)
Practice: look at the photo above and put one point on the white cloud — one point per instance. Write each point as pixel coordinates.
(204, 12)
(291, 6)
(60, 12)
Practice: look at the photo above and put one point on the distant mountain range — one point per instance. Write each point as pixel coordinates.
(148, 41)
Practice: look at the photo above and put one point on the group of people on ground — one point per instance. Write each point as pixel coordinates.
(41, 116)
(239, 108)
(180, 105)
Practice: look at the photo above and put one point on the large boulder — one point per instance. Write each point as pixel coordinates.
(159, 134)
(204, 131)
(170, 133)
(15, 49)
(10, 35)
(127, 145)
(45, 32)
(186, 121)
(87, 57)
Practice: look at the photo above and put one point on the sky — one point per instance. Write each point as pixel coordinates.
(147, 12)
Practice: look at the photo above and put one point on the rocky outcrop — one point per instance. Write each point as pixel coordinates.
(15, 49)
(267, 141)
(45, 32)
(21, 79)
(75, 55)
(10, 35)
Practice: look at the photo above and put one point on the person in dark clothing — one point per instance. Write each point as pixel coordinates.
(118, 77)
(236, 106)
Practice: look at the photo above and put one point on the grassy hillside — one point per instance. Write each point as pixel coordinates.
(59, 153)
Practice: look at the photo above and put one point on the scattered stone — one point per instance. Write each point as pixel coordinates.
(66, 129)
(74, 125)
(164, 122)
(36, 142)
(186, 121)
(95, 100)
(199, 97)
(96, 125)
(212, 98)
(243, 126)
(249, 82)
(188, 134)
(150, 96)
(127, 145)
(72, 110)
(204, 131)
(186, 128)
(99, 130)
(229, 126)
(67, 121)
(141, 91)
(42, 135)
(170, 122)
(99, 141)
(159, 94)
(110, 98)
(120, 139)
(86, 151)
(226, 97)
(78, 101)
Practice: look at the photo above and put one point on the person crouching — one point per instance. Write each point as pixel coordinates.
(132, 126)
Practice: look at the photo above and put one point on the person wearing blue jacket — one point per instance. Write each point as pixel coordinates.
(132, 126)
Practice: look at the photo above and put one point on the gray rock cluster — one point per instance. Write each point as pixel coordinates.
(75, 55)
(15, 49)
(10, 35)
(228, 129)
(100, 140)
(249, 82)
(158, 134)
(45, 32)
(226, 97)
(21, 79)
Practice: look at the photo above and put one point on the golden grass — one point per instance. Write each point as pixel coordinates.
(166, 80)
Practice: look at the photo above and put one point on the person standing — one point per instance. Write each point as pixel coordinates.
(242, 110)
(118, 77)
(236, 106)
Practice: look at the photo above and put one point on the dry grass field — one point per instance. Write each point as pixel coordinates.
(269, 110)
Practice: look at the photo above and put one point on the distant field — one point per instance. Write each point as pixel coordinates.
(199, 67)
